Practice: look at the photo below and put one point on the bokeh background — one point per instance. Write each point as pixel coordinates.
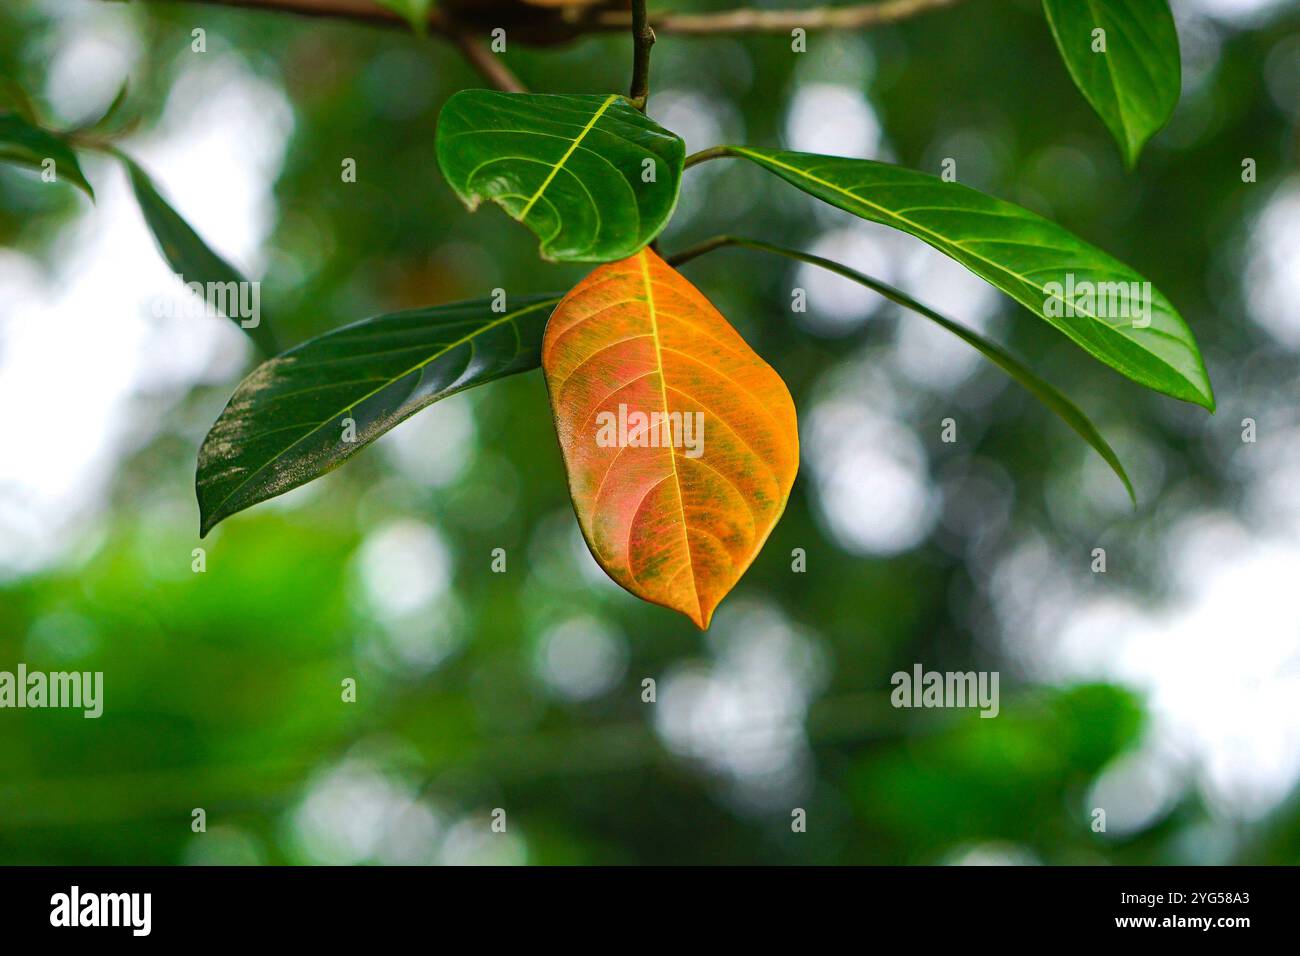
(1165, 691)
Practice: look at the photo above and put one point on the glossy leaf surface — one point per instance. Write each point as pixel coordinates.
(307, 411)
(1105, 307)
(591, 176)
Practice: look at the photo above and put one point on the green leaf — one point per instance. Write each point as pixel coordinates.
(570, 168)
(1134, 84)
(287, 423)
(28, 145)
(416, 12)
(14, 99)
(1046, 393)
(1036, 262)
(109, 114)
(189, 256)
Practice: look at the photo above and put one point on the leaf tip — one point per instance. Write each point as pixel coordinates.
(701, 614)
(208, 517)
(1202, 394)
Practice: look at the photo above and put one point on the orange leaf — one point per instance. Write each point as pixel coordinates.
(680, 443)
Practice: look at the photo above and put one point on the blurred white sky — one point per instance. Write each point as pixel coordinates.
(81, 352)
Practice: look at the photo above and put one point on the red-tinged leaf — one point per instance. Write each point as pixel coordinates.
(674, 507)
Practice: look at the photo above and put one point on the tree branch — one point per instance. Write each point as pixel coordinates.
(858, 17)
(553, 24)
(490, 66)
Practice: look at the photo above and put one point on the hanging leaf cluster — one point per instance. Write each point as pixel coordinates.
(680, 442)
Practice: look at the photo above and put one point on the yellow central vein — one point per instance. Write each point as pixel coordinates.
(663, 397)
(569, 152)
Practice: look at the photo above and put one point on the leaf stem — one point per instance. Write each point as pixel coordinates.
(643, 38)
(713, 152)
(1046, 393)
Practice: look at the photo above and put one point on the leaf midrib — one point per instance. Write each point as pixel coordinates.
(643, 259)
(609, 101)
(1130, 139)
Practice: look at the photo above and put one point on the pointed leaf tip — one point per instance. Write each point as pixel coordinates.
(1123, 56)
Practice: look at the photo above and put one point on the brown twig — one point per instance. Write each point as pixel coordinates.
(578, 18)
(858, 17)
(555, 23)
(490, 66)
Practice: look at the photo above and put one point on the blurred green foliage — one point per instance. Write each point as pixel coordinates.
(223, 688)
